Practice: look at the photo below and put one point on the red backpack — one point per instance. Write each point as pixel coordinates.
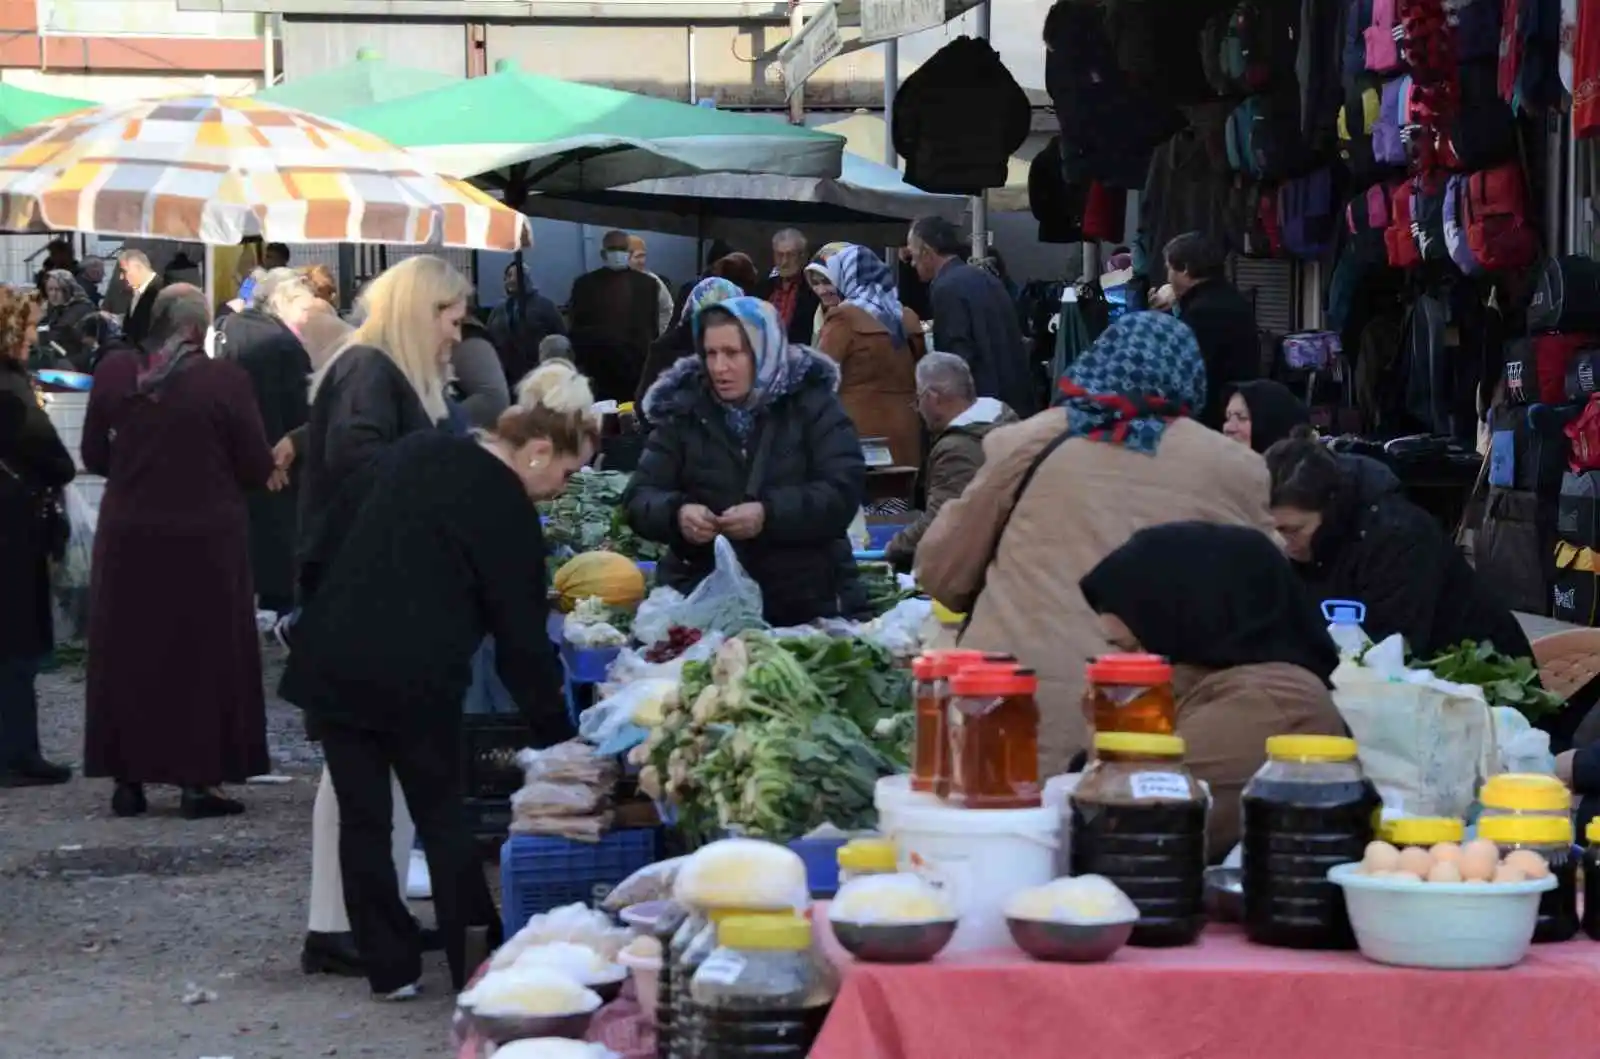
(1400, 240)
(1494, 215)
(1584, 433)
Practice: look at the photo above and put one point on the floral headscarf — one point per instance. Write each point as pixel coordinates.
(778, 365)
(863, 280)
(819, 261)
(709, 292)
(1138, 376)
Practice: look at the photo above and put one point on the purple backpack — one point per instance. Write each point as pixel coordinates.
(1388, 147)
(1455, 238)
(1306, 214)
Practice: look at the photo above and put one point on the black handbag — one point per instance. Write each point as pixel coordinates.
(54, 529)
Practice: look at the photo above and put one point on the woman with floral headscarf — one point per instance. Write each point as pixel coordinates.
(867, 332)
(679, 342)
(1059, 492)
(751, 443)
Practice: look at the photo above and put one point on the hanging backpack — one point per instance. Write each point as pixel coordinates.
(1388, 147)
(1357, 119)
(1426, 41)
(1427, 219)
(1357, 17)
(1258, 45)
(1566, 296)
(1477, 30)
(1494, 213)
(1367, 218)
(1264, 235)
(1483, 130)
(1212, 38)
(1307, 210)
(1455, 238)
(1398, 238)
(1383, 53)
(1584, 433)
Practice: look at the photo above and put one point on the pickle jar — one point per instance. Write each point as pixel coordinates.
(1131, 693)
(1423, 831)
(762, 992)
(1551, 838)
(994, 738)
(867, 856)
(930, 770)
(1524, 794)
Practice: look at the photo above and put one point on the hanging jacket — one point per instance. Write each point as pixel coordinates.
(958, 119)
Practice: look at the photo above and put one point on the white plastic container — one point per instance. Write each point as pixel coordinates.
(980, 858)
(66, 412)
(1442, 926)
(892, 796)
(646, 973)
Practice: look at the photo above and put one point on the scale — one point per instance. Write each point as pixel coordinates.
(876, 452)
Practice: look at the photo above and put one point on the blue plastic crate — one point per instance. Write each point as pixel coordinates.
(587, 665)
(880, 534)
(821, 858)
(541, 872)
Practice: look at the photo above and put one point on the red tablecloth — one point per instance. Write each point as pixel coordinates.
(1221, 999)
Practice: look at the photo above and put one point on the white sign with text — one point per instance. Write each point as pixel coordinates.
(890, 19)
(815, 44)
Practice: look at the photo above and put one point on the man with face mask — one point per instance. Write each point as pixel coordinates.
(614, 319)
(787, 289)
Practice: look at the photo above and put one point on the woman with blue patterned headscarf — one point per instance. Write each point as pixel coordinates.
(1062, 490)
(750, 442)
(679, 341)
(876, 344)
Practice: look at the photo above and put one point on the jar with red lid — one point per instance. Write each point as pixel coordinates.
(994, 737)
(930, 692)
(1130, 693)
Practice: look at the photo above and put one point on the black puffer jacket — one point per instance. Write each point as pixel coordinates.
(958, 119)
(1380, 549)
(803, 464)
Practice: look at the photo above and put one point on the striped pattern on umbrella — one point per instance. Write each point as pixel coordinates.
(216, 169)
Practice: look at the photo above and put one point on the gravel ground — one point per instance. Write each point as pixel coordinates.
(161, 938)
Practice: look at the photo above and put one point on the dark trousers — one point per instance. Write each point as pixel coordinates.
(428, 766)
(19, 712)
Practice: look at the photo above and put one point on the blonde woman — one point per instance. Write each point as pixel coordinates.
(386, 382)
(447, 551)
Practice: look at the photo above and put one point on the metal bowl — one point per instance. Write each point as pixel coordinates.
(503, 1029)
(894, 942)
(1225, 894)
(1069, 942)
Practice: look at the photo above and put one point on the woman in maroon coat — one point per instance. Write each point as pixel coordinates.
(174, 693)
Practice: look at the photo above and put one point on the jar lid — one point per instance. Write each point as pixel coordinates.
(922, 667)
(947, 663)
(1592, 831)
(1140, 743)
(1311, 748)
(1422, 830)
(945, 616)
(869, 854)
(780, 933)
(1525, 792)
(1526, 830)
(1130, 669)
(994, 679)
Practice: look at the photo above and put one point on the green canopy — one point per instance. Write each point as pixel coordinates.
(20, 108)
(370, 79)
(532, 133)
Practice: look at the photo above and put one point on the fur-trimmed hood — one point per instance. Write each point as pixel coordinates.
(682, 386)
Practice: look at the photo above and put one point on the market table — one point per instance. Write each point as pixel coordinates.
(1223, 998)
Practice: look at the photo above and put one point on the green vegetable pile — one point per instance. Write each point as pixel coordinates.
(588, 517)
(1505, 681)
(883, 589)
(775, 737)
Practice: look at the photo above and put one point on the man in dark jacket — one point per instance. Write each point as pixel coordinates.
(973, 316)
(787, 288)
(614, 319)
(143, 285)
(518, 324)
(1222, 319)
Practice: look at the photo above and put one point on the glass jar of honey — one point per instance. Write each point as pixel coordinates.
(930, 769)
(994, 738)
(1131, 693)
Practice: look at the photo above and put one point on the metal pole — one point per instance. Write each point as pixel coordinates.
(1572, 198)
(891, 85)
(980, 203)
(693, 70)
(269, 52)
(797, 102)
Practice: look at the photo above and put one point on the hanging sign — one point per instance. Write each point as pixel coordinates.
(813, 46)
(889, 19)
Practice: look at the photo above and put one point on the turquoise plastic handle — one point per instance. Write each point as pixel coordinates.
(1344, 611)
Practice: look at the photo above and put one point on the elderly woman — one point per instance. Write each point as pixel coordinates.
(679, 342)
(34, 464)
(1060, 491)
(751, 443)
(639, 260)
(69, 330)
(870, 336)
(174, 682)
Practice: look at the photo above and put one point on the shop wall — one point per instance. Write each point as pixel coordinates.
(310, 46)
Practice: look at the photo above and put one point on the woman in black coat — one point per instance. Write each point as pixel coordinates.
(751, 443)
(1353, 536)
(69, 331)
(33, 465)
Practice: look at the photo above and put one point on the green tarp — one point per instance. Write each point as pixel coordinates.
(20, 108)
(370, 79)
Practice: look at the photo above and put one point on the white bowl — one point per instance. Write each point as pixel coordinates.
(1445, 926)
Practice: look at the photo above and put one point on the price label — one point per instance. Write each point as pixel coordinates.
(721, 968)
(1172, 786)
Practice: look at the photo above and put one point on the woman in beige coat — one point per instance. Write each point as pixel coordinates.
(1060, 491)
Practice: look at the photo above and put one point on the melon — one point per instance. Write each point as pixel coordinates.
(615, 579)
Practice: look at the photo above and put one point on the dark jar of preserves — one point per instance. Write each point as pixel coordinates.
(994, 738)
(1131, 693)
(1551, 838)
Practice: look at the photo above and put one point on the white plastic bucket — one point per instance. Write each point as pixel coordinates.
(892, 796)
(979, 858)
(67, 412)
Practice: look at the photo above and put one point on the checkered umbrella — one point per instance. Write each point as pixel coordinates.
(216, 169)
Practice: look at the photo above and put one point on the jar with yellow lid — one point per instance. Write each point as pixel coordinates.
(1551, 838)
(1309, 808)
(762, 992)
(1525, 794)
(695, 940)
(1591, 880)
(867, 856)
(1424, 831)
(1139, 819)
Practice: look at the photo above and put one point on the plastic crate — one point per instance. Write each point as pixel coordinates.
(880, 534)
(587, 665)
(489, 770)
(541, 872)
(821, 858)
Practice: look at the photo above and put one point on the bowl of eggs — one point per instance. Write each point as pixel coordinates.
(1449, 906)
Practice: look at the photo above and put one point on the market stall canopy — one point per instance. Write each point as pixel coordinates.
(868, 203)
(215, 169)
(370, 79)
(524, 132)
(20, 108)
(865, 135)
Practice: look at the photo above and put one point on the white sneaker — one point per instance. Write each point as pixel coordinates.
(419, 887)
(405, 992)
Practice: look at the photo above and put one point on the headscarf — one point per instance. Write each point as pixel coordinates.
(1211, 596)
(1274, 411)
(178, 324)
(69, 283)
(710, 291)
(1143, 372)
(778, 365)
(818, 266)
(863, 280)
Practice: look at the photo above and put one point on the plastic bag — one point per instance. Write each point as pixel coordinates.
(1523, 748)
(643, 702)
(653, 882)
(902, 898)
(69, 579)
(569, 762)
(630, 665)
(743, 873)
(524, 992)
(576, 923)
(727, 601)
(1084, 900)
(542, 798)
(654, 618)
(899, 629)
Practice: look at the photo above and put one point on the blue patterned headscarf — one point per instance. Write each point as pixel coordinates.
(1141, 374)
(709, 292)
(778, 365)
(863, 280)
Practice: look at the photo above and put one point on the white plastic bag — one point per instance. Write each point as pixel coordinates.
(743, 873)
(727, 601)
(1425, 743)
(899, 630)
(69, 579)
(642, 702)
(1523, 748)
(654, 618)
